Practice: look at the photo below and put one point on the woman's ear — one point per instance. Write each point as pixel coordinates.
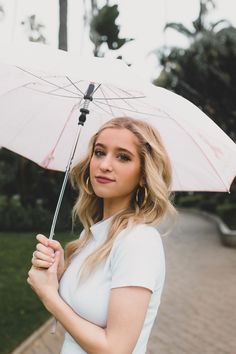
(142, 181)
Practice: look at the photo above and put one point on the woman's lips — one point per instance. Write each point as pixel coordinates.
(103, 180)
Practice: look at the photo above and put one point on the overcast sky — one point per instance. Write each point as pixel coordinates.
(139, 19)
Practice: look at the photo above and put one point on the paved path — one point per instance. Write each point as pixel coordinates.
(198, 310)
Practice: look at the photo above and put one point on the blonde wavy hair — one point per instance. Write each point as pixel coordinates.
(157, 174)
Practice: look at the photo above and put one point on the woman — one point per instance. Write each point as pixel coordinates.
(112, 280)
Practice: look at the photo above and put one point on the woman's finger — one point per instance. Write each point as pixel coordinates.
(43, 249)
(53, 244)
(42, 239)
(41, 264)
(43, 257)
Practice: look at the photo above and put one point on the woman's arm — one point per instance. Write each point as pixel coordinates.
(126, 313)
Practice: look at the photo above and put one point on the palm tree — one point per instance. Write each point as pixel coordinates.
(34, 29)
(103, 29)
(2, 12)
(199, 25)
(205, 74)
(63, 24)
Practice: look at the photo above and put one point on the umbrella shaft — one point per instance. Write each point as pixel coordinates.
(64, 183)
(84, 111)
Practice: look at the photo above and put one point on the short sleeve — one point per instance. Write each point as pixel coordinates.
(138, 259)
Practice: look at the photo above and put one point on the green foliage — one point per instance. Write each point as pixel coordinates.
(21, 311)
(13, 215)
(221, 204)
(103, 29)
(28, 195)
(2, 12)
(34, 29)
(200, 25)
(205, 73)
(227, 212)
(189, 200)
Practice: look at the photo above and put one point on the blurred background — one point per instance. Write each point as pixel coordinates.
(187, 46)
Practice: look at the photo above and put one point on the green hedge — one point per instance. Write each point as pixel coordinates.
(16, 217)
(221, 204)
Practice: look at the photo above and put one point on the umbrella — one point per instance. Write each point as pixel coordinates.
(43, 92)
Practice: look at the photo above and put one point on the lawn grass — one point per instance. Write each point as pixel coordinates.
(21, 311)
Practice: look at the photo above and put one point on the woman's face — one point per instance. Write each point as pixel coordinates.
(115, 169)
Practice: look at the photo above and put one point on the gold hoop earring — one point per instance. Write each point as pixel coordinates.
(88, 187)
(141, 196)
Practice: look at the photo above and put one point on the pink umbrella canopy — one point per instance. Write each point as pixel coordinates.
(42, 91)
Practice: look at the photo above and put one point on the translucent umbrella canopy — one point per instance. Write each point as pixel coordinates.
(42, 91)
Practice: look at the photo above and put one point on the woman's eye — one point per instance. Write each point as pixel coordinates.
(98, 153)
(123, 157)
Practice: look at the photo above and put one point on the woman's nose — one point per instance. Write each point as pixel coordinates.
(106, 163)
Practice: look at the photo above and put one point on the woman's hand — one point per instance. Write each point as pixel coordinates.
(44, 255)
(44, 282)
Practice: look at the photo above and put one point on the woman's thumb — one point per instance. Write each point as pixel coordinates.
(55, 245)
(55, 264)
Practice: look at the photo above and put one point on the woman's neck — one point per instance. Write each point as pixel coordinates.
(111, 207)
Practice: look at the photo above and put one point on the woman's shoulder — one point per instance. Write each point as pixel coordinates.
(140, 234)
(138, 257)
(143, 229)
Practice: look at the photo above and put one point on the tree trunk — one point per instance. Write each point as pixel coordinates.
(63, 25)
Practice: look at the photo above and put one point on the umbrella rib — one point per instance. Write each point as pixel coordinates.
(48, 82)
(63, 88)
(96, 88)
(75, 85)
(14, 89)
(51, 94)
(107, 101)
(68, 85)
(46, 161)
(128, 93)
(129, 110)
(121, 98)
(199, 147)
(95, 104)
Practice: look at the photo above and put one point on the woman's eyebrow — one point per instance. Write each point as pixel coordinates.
(118, 148)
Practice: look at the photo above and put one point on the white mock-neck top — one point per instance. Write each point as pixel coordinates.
(100, 229)
(136, 259)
